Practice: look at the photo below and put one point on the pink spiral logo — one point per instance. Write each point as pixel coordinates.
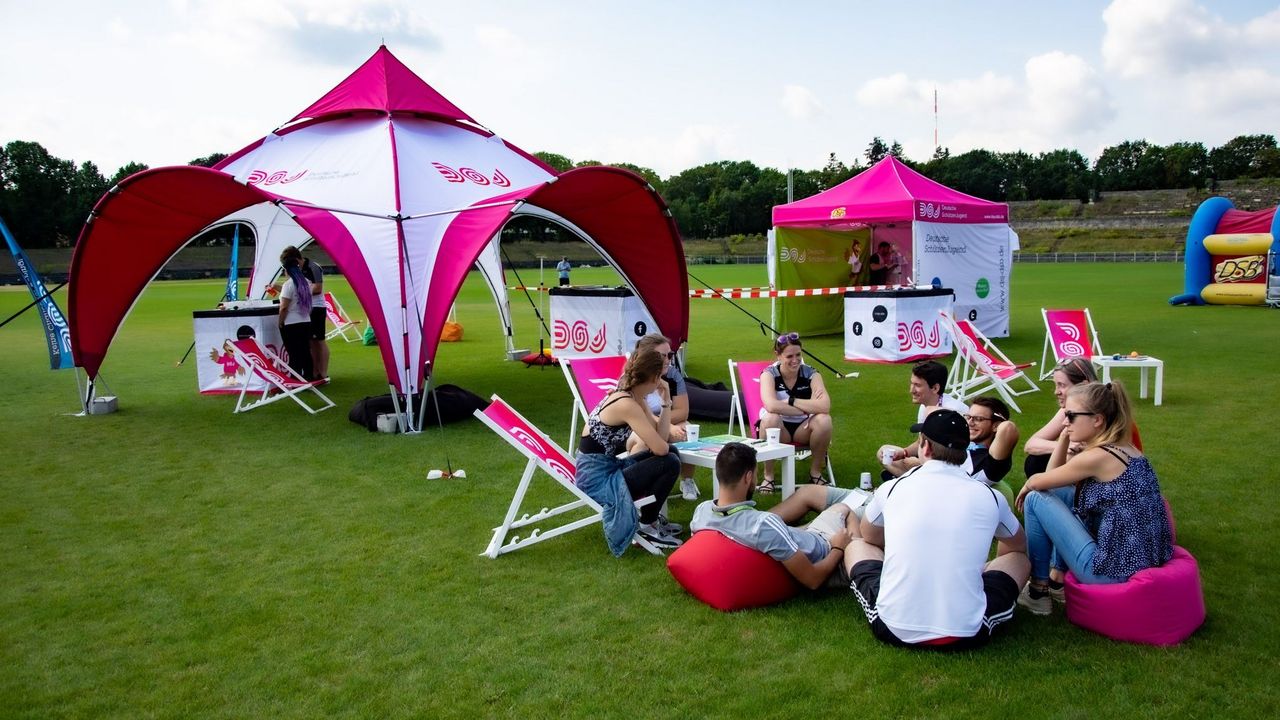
(1071, 348)
(256, 176)
(910, 336)
(598, 340)
(559, 468)
(904, 337)
(473, 176)
(449, 173)
(935, 336)
(528, 440)
(499, 179)
(579, 335)
(559, 334)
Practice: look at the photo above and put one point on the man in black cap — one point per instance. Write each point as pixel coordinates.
(919, 567)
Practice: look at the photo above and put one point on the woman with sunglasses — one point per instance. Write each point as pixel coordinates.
(1066, 375)
(1098, 513)
(794, 399)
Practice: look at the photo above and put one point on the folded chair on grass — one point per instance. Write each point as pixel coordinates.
(1071, 334)
(745, 405)
(590, 380)
(342, 323)
(980, 366)
(280, 380)
(543, 454)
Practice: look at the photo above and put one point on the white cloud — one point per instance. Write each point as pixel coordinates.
(800, 103)
(1180, 37)
(693, 145)
(1065, 95)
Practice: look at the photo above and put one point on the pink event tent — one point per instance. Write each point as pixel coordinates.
(962, 241)
(401, 188)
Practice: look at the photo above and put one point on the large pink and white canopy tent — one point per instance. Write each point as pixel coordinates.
(957, 240)
(401, 188)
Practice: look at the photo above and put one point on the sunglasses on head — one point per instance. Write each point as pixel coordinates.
(787, 339)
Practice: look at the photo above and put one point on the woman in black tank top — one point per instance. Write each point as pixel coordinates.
(794, 399)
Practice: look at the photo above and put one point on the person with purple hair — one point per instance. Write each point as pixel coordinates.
(295, 314)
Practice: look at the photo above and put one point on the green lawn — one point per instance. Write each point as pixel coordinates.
(174, 560)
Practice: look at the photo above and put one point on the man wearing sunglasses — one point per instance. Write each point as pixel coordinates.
(992, 438)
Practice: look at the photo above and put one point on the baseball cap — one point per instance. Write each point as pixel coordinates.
(946, 427)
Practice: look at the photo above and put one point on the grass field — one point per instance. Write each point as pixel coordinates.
(174, 560)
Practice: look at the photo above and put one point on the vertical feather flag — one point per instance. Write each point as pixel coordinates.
(55, 325)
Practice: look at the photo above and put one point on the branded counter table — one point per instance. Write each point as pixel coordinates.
(216, 369)
(594, 320)
(897, 325)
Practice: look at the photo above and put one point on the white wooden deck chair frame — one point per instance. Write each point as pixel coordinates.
(544, 454)
(256, 359)
(342, 322)
(604, 385)
(980, 366)
(743, 414)
(1087, 349)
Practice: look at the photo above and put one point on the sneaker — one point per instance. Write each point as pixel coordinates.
(1037, 601)
(669, 527)
(1059, 593)
(655, 535)
(689, 489)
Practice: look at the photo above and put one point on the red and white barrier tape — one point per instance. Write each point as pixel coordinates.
(749, 293)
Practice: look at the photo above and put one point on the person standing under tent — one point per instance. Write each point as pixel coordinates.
(562, 268)
(295, 314)
(319, 346)
(855, 262)
(883, 264)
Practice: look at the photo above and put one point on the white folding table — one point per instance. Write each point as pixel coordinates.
(1145, 362)
(705, 456)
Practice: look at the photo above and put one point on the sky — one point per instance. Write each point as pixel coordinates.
(665, 85)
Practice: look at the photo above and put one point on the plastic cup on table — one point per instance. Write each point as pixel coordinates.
(773, 435)
(692, 432)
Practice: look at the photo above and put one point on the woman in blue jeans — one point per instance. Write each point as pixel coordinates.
(1099, 513)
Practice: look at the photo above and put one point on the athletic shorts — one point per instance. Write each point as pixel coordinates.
(1000, 589)
(317, 323)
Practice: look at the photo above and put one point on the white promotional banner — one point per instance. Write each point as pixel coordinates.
(589, 322)
(216, 368)
(975, 261)
(893, 326)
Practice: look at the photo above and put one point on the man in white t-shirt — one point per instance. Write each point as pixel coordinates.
(919, 568)
(928, 391)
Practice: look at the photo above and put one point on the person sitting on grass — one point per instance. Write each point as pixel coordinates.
(811, 554)
(794, 399)
(1098, 513)
(928, 391)
(992, 438)
(1068, 374)
(919, 564)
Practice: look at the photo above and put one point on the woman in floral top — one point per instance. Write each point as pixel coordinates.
(1099, 513)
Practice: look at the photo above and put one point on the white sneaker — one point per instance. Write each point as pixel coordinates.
(1041, 604)
(659, 537)
(688, 489)
(670, 528)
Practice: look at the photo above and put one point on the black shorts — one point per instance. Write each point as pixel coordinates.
(318, 318)
(1000, 589)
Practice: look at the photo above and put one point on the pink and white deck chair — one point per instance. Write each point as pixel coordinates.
(280, 380)
(590, 380)
(341, 321)
(745, 406)
(543, 454)
(1071, 334)
(979, 366)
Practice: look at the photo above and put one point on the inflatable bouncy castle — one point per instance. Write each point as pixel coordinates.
(1230, 256)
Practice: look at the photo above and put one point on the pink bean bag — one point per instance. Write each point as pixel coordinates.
(728, 576)
(1157, 606)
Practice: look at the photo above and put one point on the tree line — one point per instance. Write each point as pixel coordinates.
(45, 199)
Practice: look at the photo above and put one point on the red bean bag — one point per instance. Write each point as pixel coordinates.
(729, 576)
(1157, 606)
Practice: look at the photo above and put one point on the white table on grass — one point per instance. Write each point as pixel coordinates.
(1145, 362)
(702, 453)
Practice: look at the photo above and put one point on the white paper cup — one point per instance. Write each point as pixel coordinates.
(692, 432)
(773, 435)
(886, 455)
